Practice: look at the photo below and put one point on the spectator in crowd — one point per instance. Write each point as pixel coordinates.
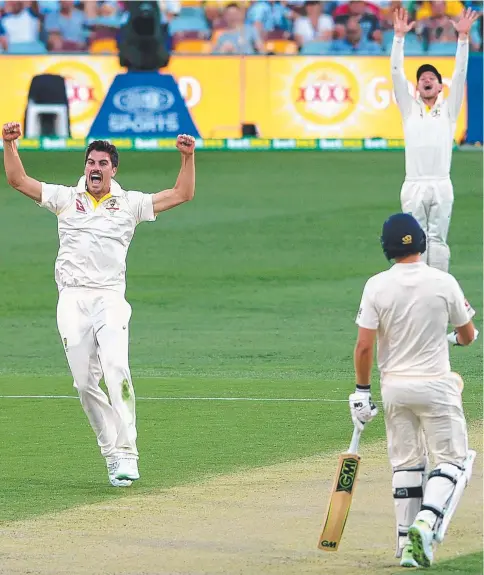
(314, 26)
(214, 11)
(239, 38)
(169, 10)
(355, 41)
(18, 25)
(268, 16)
(438, 27)
(66, 27)
(387, 12)
(106, 13)
(45, 7)
(370, 25)
(452, 8)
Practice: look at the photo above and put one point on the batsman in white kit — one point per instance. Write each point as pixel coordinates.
(96, 223)
(429, 123)
(407, 310)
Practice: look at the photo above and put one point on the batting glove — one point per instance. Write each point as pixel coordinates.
(362, 407)
(452, 337)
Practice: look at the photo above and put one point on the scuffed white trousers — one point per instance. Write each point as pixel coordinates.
(94, 328)
(430, 202)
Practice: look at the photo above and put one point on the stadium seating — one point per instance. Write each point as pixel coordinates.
(316, 48)
(194, 24)
(193, 46)
(442, 49)
(413, 45)
(197, 26)
(27, 48)
(104, 46)
(280, 47)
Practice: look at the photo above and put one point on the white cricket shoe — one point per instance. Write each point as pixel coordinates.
(112, 468)
(422, 538)
(407, 559)
(127, 468)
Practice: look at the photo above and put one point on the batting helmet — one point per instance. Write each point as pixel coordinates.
(402, 236)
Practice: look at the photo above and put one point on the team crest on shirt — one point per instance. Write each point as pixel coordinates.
(80, 207)
(112, 205)
(435, 113)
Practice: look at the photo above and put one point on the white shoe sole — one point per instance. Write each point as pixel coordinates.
(422, 551)
(121, 474)
(120, 482)
(408, 562)
(126, 476)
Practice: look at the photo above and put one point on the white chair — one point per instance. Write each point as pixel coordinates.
(47, 96)
(34, 119)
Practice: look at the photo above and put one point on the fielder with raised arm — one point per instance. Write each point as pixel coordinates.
(96, 223)
(407, 309)
(429, 123)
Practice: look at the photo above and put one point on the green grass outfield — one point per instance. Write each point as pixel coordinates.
(249, 291)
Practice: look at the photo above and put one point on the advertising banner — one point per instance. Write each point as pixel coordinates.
(218, 144)
(340, 97)
(476, 105)
(143, 104)
(291, 97)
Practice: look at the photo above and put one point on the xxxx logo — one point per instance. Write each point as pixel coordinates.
(325, 93)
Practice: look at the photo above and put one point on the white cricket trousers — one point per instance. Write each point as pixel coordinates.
(424, 413)
(93, 325)
(430, 202)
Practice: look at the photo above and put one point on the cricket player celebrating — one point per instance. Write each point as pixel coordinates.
(429, 124)
(96, 223)
(407, 310)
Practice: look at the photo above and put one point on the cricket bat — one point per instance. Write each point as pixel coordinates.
(341, 496)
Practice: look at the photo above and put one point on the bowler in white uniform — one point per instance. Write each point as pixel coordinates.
(429, 124)
(406, 310)
(96, 223)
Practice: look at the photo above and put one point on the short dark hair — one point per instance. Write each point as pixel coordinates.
(232, 5)
(103, 146)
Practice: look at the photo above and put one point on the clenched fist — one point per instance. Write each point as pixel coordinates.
(11, 131)
(185, 144)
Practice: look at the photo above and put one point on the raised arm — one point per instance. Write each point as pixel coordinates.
(400, 83)
(456, 92)
(14, 169)
(184, 188)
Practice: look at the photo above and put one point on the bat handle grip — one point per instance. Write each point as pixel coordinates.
(355, 440)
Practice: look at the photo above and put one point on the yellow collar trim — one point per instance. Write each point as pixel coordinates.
(95, 202)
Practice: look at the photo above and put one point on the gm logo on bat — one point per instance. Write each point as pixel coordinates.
(347, 475)
(330, 544)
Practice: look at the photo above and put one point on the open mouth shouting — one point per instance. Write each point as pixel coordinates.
(95, 179)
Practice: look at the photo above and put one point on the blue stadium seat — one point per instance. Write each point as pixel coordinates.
(27, 48)
(442, 49)
(114, 21)
(191, 12)
(316, 48)
(416, 50)
(413, 45)
(387, 38)
(191, 24)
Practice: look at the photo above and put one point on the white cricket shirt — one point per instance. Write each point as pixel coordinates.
(429, 134)
(94, 237)
(411, 306)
